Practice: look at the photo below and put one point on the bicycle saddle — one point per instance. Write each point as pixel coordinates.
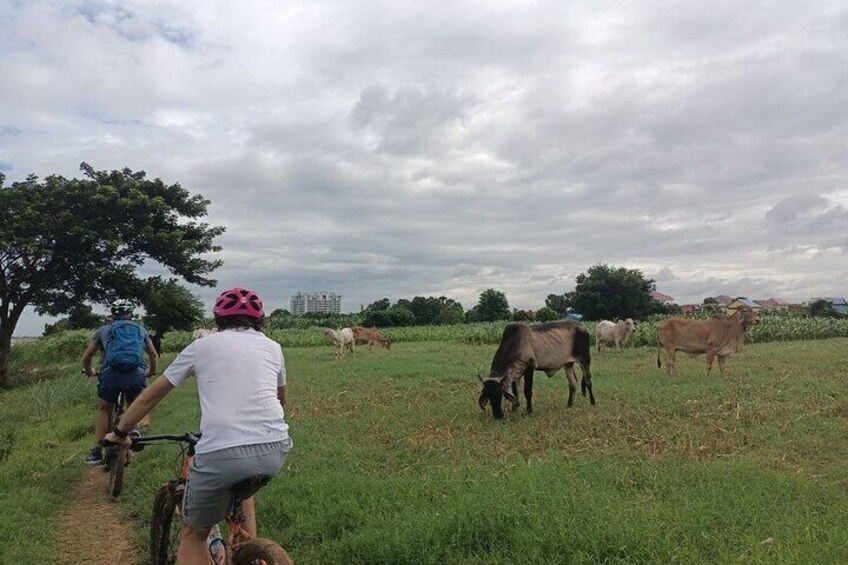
(248, 487)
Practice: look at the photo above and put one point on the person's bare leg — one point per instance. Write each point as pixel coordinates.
(248, 508)
(193, 550)
(101, 423)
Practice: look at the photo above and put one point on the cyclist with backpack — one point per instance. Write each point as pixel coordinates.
(123, 343)
(241, 382)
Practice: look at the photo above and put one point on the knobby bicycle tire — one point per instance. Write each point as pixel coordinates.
(254, 550)
(117, 463)
(164, 527)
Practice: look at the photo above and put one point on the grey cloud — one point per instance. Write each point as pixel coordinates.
(792, 207)
(383, 149)
(408, 120)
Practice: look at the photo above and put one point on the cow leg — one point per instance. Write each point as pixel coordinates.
(586, 382)
(528, 389)
(710, 356)
(517, 404)
(721, 361)
(670, 369)
(572, 383)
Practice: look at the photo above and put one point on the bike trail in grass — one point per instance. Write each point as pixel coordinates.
(91, 529)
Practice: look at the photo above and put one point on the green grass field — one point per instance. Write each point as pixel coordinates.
(394, 463)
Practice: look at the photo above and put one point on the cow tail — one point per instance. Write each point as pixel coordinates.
(659, 363)
(582, 350)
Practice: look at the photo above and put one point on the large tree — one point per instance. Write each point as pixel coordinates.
(558, 303)
(491, 306)
(605, 293)
(170, 306)
(64, 241)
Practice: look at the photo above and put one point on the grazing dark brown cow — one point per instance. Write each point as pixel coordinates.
(544, 347)
(719, 336)
(370, 336)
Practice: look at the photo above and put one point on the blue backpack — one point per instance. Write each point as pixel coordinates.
(124, 346)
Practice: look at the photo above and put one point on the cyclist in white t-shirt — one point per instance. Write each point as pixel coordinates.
(241, 382)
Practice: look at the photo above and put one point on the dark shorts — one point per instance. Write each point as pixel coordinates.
(111, 382)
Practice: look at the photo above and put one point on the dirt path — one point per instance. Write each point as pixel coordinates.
(92, 530)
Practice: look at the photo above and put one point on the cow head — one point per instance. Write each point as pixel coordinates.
(386, 343)
(749, 317)
(495, 390)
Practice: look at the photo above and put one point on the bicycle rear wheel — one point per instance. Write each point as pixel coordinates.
(117, 462)
(165, 526)
(260, 550)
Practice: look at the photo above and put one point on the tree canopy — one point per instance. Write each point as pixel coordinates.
(66, 241)
(606, 292)
(79, 317)
(491, 306)
(171, 306)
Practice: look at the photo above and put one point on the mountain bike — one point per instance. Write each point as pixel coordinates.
(241, 548)
(117, 457)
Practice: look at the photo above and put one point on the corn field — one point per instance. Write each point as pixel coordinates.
(68, 346)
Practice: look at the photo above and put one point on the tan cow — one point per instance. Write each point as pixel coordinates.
(617, 333)
(370, 336)
(719, 336)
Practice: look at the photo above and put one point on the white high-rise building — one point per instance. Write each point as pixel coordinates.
(323, 301)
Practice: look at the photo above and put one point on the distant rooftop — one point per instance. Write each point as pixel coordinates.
(660, 297)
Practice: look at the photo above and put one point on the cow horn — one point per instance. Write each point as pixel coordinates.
(482, 401)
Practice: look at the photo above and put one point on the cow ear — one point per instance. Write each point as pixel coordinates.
(482, 401)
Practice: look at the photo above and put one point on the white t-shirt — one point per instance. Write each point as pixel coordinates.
(238, 372)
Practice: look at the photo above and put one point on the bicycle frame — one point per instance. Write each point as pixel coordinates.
(235, 517)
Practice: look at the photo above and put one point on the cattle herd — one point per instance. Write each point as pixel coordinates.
(549, 347)
(556, 345)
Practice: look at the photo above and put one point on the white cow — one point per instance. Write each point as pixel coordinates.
(617, 333)
(342, 339)
(201, 332)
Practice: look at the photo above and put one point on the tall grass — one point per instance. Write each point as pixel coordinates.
(395, 464)
(45, 430)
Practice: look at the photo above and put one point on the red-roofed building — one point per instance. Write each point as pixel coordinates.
(662, 298)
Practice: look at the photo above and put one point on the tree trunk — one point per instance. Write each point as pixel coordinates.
(6, 330)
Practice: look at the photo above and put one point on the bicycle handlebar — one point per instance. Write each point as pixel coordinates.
(138, 442)
(189, 438)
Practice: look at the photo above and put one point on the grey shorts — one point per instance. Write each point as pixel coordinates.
(211, 475)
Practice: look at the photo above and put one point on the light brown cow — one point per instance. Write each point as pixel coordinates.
(719, 336)
(370, 336)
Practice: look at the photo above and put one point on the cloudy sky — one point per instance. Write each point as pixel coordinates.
(401, 148)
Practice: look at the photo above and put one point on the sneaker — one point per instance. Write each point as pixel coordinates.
(95, 457)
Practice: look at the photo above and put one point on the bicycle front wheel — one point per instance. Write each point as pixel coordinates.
(117, 462)
(165, 525)
(259, 550)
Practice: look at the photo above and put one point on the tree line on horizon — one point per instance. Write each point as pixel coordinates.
(66, 244)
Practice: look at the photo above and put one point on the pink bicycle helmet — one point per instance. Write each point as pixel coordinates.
(238, 302)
